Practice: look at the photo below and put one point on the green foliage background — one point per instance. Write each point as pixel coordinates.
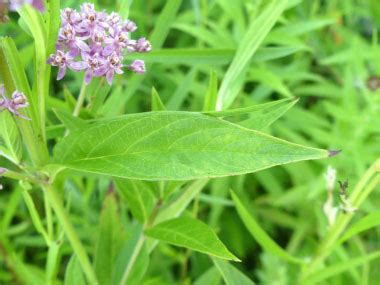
(326, 53)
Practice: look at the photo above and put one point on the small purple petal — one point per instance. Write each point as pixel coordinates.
(39, 5)
(108, 50)
(137, 66)
(101, 71)
(109, 76)
(61, 73)
(79, 65)
(82, 45)
(88, 76)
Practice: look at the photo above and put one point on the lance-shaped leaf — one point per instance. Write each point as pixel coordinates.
(10, 140)
(192, 234)
(174, 146)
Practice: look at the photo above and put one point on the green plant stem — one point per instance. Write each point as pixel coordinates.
(133, 259)
(22, 177)
(52, 262)
(35, 217)
(80, 101)
(49, 217)
(140, 242)
(364, 187)
(70, 233)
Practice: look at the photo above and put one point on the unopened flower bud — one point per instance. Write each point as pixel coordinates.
(129, 26)
(142, 45)
(137, 66)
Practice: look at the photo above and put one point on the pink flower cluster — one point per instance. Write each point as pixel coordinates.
(18, 101)
(16, 4)
(96, 42)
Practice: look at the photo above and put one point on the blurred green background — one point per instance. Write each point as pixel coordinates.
(329, 57)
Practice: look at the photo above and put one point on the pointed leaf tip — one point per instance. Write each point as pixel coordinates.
(334, 152)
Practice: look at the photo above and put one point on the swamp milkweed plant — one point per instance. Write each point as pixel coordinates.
(146, 151)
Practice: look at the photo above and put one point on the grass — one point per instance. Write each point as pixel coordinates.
(207, 55)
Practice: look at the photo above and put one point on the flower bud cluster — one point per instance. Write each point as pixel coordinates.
(96, 42)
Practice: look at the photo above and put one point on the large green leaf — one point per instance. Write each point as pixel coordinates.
(174, 146)
(192, 234)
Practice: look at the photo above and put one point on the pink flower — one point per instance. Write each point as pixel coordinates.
(18, 101)
(96, 42)
(137, 66)
(113, 65)
(63, 61)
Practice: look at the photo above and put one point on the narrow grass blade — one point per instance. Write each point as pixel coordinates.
(266, 242)
(255, 35)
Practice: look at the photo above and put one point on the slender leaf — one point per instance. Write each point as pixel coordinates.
(157, 104)
(179, 96)
(260, 235)
(370, 221)
(339, 268)
(212, 56)
(27, 274)
(74, 274)
(109, 241)
(253, 110)
(192, 234)
(131, 254)
(10, 140)
(138, 196)
(267, 116)
(212, 93)
(176, 207)
(304, 27)
(258, 30)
